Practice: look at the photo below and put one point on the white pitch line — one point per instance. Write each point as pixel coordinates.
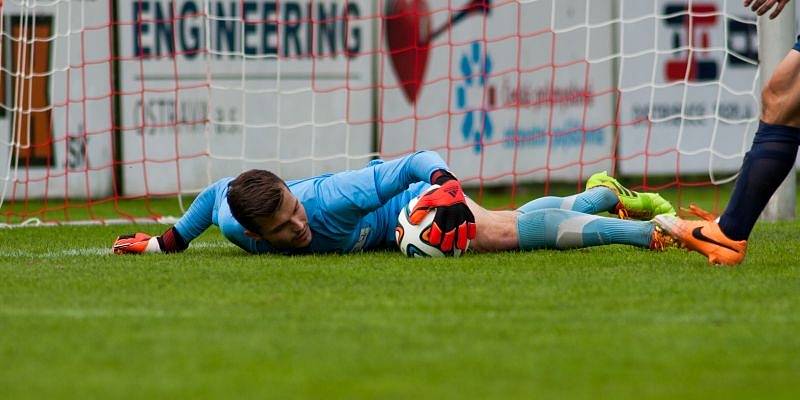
(79, 313)
(89, 251)
(92, 251)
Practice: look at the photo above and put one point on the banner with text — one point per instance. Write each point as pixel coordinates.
(210, 89)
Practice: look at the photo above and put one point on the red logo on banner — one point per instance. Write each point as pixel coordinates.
(409, 35)
(692, 30)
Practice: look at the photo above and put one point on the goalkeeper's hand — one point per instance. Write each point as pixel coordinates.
(454, 224)
(136, 243)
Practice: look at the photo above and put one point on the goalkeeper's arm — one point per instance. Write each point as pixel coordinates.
(177, 238)
(137, 243)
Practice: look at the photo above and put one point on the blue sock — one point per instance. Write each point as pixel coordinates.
(562, 229)
(592, 201)
(764, 168)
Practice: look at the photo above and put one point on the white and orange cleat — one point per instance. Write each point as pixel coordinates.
(661, 240)
(704, 237)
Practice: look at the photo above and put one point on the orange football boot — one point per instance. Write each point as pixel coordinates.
(704, 237)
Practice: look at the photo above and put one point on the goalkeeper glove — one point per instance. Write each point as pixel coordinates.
(138, 243)
(454, 224)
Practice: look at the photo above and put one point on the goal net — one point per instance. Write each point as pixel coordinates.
(103, 103)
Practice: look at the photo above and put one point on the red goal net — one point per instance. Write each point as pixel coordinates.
(108, 104)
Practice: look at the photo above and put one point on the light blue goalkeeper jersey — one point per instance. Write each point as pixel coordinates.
(347, 211)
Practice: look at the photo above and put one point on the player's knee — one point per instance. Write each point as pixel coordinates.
(553, 217)
(769, 98)
(773, 105)
(583, 204)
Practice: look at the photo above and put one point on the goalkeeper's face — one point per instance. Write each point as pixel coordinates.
(288, 227)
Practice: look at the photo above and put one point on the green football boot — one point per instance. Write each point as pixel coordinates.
(634, 205)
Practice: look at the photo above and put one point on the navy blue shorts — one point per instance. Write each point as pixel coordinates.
(797, 44)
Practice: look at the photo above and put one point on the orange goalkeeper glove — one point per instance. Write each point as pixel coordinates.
(138, 243)
(454, 224)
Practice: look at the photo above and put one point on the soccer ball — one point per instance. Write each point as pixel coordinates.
(413, 239)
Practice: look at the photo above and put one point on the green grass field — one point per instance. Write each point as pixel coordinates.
(214, 322)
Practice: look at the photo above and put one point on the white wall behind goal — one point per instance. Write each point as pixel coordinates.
(495, 87)
(697, 120)
(594, 79)
(68, 128)
(299, 107)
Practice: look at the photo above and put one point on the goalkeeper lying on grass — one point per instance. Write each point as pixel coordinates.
(357, 210)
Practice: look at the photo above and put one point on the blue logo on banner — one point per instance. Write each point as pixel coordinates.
(475, 66)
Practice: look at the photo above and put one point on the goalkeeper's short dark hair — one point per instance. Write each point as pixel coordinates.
(255, 194)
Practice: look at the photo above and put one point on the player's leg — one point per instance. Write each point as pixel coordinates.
(564, 229)
(605, 194)
(592, 201)
(780, 100)
(558, 229)
(773, 153)
(764, 168)
(496, 230)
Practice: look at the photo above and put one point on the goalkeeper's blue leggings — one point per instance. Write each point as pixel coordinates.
(592, 201)
(566, 223)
